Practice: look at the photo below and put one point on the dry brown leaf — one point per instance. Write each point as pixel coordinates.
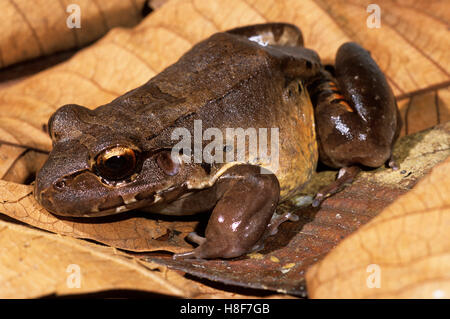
(22, 164)
(424, 110)
(34, 28)
(409, 242)
(35, 263)
(23, 149)
(124, 59)
(19, 133)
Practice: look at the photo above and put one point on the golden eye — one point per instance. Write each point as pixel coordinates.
(116, 163)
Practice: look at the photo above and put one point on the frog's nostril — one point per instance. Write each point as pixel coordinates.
(60, 185)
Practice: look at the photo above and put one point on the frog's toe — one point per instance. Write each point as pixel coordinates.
(345, 176)
(292, 217)
(187, 255)
(318, 199)
(393, 164)
(195, 238)
(276, 221)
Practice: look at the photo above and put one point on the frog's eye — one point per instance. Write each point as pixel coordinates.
(116, 163)
(169, 165)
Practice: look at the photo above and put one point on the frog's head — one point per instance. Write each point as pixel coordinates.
(100, 165)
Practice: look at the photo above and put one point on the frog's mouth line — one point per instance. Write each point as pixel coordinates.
(96, 212)
(132, 202)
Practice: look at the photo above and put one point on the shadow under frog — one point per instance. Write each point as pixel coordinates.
(118, 156)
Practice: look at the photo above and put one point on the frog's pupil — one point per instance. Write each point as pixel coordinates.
(116, 163)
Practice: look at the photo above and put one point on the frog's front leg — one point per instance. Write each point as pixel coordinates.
(246, 202)
(357, 120)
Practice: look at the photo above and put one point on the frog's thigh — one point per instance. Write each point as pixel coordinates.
(343, 138)
(361, 125)
(246, 203)
(357, 120)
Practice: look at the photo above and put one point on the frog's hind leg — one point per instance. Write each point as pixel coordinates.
(247, 199)
(357, 120)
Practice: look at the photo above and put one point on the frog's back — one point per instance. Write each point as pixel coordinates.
(208, 71)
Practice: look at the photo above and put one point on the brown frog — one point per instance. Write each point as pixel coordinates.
(120, 156)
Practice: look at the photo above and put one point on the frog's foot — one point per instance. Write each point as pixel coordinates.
(195, 238)
(186, 255)
(345, 177)
(272, 228)
(276, 221)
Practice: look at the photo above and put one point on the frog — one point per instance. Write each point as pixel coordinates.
(120, 156)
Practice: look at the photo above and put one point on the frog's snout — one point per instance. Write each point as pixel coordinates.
(58, 198)
(45, 198)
